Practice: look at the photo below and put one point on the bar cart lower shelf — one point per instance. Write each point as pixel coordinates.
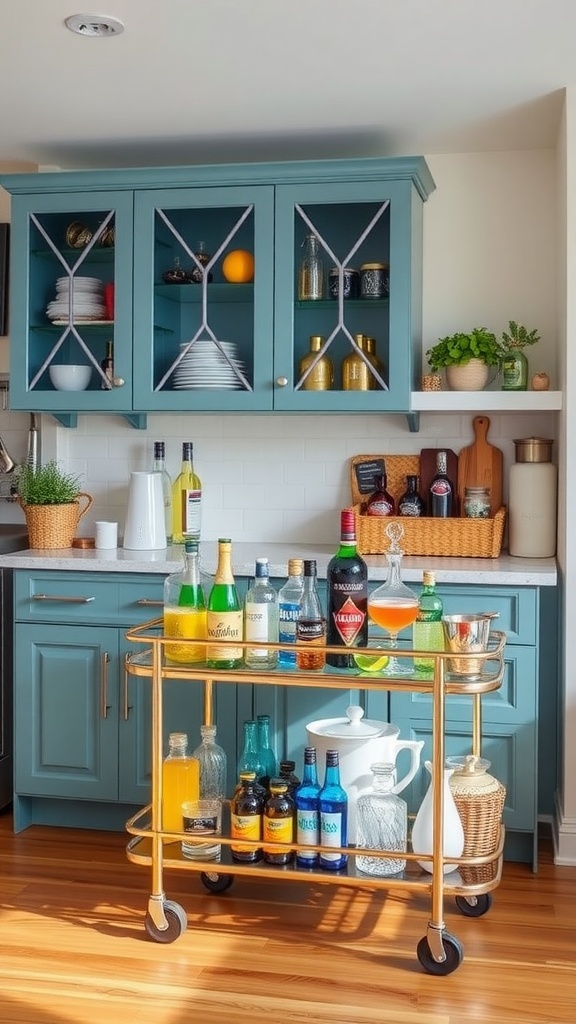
(469, 880)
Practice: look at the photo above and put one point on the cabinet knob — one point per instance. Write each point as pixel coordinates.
(281, 381)
(118, 382)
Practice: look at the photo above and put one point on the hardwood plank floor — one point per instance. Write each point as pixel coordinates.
(74, 949)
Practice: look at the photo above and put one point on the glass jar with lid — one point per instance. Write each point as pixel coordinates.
(476, 503)
(374, 280)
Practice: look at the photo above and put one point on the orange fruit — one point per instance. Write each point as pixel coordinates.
(238, 266)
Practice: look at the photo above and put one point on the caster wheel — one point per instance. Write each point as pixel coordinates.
(215, 882)
(452, 949)
(474, 906)
(177, 923)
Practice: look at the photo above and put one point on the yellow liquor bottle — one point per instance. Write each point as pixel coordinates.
(180, 782)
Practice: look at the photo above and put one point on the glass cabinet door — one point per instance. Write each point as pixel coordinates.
(347, 330)
(203, 308)
(71, 302)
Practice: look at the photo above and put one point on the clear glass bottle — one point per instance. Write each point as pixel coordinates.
(261, 618)
(381, 502)
(412, 503)
(333, 812)
(265, 752)
(321, 378)
(197, 273)
(212, 761)
(107, 364)
(311, 271)
(427, 631)
(310, 624)
(382, 824)
(441, 490)
(159, 466)
(289, 599)
(185, 609)
(347, 578)
(251, 759)
(186, 499)
(307, 813)
(180, 781)
(224, 623)
(246, 809)
(278, 823)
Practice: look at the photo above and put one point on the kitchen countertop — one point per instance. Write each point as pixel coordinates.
(505, 570)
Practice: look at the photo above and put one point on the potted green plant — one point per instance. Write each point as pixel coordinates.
(514, 362)
(50, 499)
(466, 358)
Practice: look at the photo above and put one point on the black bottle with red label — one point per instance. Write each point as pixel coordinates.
(347, 576)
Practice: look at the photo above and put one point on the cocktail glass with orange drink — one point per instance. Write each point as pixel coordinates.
(393, 606)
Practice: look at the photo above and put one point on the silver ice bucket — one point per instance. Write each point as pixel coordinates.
(467, 634)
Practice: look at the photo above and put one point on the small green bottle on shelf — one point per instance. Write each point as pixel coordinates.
(428, 634)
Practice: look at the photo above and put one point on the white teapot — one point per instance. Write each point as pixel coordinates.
(360, 742)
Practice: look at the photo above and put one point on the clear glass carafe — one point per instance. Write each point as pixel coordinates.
(212, 760)
(393, 606)
(382, 823)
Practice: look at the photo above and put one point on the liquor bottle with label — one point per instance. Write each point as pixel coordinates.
(180, 781)
(427, 631)
(381, 502)
(246, 819)
(261, 618)
(186, 499)
(107, 365)
(441, 497)
(278, 823)
(159, 466)
(333, 811)
(411, 503)
(289, 598)
(212, 760)
(185, 609)
(307, 813)
(310, 624)
(321, 378)
(224, 618)
(347, 577)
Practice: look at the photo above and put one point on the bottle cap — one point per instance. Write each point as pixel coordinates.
(428, 579)
(309, 755)
(331, 758)
(295, 566)
(309, 566)
(348, 524)
(261, 571)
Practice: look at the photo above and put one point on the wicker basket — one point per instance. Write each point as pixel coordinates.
(481, 820)
(462, 537)
(54, 526)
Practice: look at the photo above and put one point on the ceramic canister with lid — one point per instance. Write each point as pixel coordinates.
(532, 500)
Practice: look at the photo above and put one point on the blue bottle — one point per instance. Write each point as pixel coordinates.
(289, 598)
(333, 807)
(307, 813)
(265, 752)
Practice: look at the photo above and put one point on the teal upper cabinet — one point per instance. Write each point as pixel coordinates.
(200, 341)
(186, 337)
(57, 309)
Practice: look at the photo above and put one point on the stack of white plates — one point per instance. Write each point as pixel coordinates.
(87, 300)
(205, 366)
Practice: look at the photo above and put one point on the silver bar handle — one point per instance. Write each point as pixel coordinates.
(150, 603)
(62, 597)
(104, 706)
(126, 707)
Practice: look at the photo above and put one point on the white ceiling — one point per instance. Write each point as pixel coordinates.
(209, 80)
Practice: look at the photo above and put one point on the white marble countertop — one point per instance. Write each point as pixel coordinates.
(505, 570)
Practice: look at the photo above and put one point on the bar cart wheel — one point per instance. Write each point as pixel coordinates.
(177, 921)
(215, 882)
(453, 955)
(474, 906)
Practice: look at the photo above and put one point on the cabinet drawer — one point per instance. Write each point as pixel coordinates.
(70, 597)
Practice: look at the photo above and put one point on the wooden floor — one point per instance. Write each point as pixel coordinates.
(73, 949)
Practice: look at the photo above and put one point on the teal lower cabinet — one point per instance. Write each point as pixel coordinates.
(82, 723)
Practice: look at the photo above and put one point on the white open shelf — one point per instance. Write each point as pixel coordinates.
(484, 401)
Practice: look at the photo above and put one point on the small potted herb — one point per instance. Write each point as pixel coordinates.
(50, 499)
(466, 358)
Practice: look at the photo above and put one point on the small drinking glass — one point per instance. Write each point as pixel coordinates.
(202, 820)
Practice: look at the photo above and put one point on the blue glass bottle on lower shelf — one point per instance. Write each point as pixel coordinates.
(307, 813)
(265, 753)
(333, 810)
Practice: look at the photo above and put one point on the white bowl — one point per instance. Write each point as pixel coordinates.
(68, 377)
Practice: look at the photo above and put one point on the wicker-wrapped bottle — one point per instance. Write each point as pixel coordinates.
(479, 798)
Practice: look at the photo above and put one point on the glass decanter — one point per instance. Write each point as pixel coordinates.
(393, 606)
(382, 823)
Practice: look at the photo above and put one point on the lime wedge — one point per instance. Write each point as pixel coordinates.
(371, 662)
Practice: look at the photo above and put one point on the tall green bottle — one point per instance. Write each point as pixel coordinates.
(428, 633)
(224, 618)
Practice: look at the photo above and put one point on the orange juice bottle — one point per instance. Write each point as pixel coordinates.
(180, 782)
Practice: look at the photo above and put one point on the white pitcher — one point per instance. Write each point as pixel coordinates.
(423, 828)
(145, 528)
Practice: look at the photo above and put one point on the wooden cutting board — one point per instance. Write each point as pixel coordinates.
(480, 465)
(428, 470)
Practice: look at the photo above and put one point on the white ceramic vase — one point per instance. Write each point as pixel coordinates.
(471, 377)
(423, 828)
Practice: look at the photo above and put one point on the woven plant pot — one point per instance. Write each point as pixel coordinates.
(471, 377)
(54, 526)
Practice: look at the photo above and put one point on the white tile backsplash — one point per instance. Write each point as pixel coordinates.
(266, 478)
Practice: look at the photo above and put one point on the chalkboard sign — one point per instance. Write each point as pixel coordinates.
(367, 475)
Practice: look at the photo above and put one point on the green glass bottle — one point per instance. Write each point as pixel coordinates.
(185, 609)
(514, 370)
(428, 634)
(224, 618)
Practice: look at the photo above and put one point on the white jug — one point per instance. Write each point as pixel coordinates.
(452, 830)
(361, 743)
(145, 528)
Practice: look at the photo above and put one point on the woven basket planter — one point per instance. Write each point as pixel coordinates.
(54, 526)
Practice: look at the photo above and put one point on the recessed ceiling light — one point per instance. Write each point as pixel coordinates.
(94, 25)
